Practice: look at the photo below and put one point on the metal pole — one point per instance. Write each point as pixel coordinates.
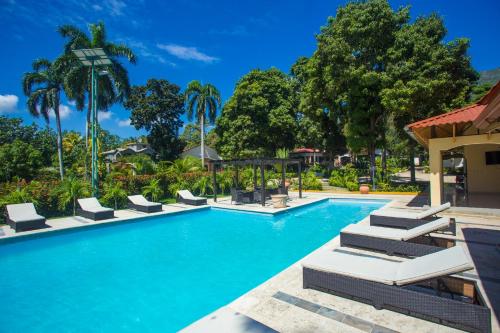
(96, 150)
(300, 180)
(262, 185)
(92, 179)
(283, 176)
(214, 175)
(94, 133)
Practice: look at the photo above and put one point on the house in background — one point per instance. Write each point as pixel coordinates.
(130, 149)
(310, 156)
(210, 154)
(472, 132)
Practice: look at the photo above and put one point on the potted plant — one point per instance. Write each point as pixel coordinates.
(364, 188)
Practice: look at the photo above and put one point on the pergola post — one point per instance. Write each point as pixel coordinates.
(300, 179)
(237, 176)
(283, 174)
(254, 166)
(262, 185)
(214, 175)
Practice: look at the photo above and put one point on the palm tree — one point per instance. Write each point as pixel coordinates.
(113, 87)
(202, 101)
(203, 185)
(43, 88)
(114, 191)
(153, 189)
(70, 190)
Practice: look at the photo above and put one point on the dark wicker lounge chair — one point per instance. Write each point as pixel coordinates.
(90, 208)
(23, 217)
(186, 197)
(406, 220)
(241, 196)
(420, 287)
(138, 202)
(413, 242)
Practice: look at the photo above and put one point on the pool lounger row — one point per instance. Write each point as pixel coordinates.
(91, 208)
(413, 242)
(22, 217)
(186, 197)
(138, 202)
(420, 287)
(398, 218)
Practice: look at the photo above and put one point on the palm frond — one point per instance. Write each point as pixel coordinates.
(121, 50)
(41, 64)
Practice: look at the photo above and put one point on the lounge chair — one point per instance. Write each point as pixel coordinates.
(420, 287)
(138, 202)
(413, 242)
(22, 217)
(91, 208)
(400, 218)
(188, 198)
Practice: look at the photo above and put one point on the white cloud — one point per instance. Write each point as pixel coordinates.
(187, 53)
(97, 8)
(115, 7)
(145, 52)
(72, 103)
(104, 115)
(123, 122)
(64, 112)
(8, 103)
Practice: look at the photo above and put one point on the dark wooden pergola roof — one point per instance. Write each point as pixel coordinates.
(259, 162)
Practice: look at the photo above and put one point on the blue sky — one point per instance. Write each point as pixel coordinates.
(211, 41)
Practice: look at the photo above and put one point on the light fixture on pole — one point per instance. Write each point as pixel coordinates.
(93, 58)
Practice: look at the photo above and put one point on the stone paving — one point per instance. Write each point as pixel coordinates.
(283, 305)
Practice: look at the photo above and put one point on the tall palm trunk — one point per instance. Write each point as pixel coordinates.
(202, 129)
(59, 140)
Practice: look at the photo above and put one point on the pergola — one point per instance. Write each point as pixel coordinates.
(259, 163)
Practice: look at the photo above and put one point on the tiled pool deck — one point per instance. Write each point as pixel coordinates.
(281, 304)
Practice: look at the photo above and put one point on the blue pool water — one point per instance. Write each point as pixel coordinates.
(156, 274)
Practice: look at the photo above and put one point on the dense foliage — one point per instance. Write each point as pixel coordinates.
(157, 107)
(260, 117)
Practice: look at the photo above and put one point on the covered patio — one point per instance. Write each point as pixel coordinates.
(258, 193)
(474, 133)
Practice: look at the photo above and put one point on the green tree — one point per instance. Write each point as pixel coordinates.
(427, 76)
(260, 116)
(114, 192)
(19, 159)
(43, 87)
(224, 181)
(113, 87)
(202, 101)
(153, 190)
(157, 107)
(70, 190)
(346, 73)
(478, 91)
(203, 185)
(45, 140)
(191, 135)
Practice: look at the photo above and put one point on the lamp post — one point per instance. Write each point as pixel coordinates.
(93, 58)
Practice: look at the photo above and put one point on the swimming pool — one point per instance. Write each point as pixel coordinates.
(159, 273)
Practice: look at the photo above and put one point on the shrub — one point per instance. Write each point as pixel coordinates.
(346, 176)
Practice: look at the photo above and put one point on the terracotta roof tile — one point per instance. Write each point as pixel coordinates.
(463, 115)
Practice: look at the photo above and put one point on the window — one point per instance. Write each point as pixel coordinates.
(492, 157)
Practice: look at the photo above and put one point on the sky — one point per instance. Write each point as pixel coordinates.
(211, 41)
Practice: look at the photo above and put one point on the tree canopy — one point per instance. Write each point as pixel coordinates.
(260, 116)
(157, 107)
